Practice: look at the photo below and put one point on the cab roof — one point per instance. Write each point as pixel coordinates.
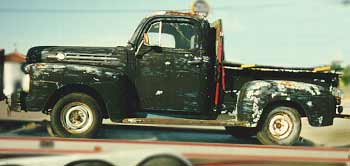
(177, 13)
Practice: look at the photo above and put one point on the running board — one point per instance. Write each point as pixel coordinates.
(179, 121)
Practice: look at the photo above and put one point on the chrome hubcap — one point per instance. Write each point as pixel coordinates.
(77, 118)
(281, 126)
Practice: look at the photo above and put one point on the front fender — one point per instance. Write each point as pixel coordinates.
(255, 96)
(48, 78)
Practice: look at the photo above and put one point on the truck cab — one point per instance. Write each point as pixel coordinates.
(173, 67)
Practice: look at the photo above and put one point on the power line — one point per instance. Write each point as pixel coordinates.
(18, 10)
(42, 10)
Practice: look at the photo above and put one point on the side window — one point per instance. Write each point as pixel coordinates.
(173, 35)
(154, 34)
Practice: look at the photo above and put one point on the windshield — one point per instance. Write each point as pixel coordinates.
(136, 32)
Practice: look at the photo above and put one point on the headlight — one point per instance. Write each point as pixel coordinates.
(337, 93)
(27, 68)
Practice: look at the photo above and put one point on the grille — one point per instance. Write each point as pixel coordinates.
(85, 58)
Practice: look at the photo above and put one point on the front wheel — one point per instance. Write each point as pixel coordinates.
(282, 126)
(76, 115)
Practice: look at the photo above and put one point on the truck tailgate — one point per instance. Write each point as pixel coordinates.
(2, 59)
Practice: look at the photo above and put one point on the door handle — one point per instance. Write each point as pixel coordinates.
(195, 62)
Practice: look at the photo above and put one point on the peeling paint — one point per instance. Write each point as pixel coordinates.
(159, 92)
(309, 103)
(311, 88)
(320, 119)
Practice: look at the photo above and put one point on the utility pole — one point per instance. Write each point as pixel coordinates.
(15, 46)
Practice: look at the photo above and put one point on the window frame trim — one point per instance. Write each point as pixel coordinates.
(195, 23)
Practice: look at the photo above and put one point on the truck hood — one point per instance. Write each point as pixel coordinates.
(106, 56)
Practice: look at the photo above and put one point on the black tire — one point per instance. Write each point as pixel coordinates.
(73, 108)
(241, 132)
(275, 131)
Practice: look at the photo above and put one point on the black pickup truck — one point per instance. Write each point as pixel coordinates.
(173, 71)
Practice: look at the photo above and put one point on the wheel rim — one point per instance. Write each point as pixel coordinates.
(281, 126)
(77, 118)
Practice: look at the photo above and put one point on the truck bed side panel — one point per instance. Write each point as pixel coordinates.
(236, 78)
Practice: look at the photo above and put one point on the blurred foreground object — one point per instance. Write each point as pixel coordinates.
(88, 157)
(88, 152)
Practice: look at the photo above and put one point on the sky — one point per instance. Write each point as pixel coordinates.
(269, 32)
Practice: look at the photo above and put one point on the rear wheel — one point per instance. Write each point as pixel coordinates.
(76, 115)
(241, 132)
(282, 126)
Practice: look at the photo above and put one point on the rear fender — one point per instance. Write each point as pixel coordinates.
(256, 96)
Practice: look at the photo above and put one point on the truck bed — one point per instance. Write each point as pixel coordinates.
(324, 69)
(236, 75)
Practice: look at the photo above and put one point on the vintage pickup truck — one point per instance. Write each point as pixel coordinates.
(173, 71)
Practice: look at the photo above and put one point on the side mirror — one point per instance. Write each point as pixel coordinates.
(146, 39)
(144, 42)
(150, 46)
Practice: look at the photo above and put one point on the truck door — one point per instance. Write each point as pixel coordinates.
(173, 73)
(188, 69)
(153, 70)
